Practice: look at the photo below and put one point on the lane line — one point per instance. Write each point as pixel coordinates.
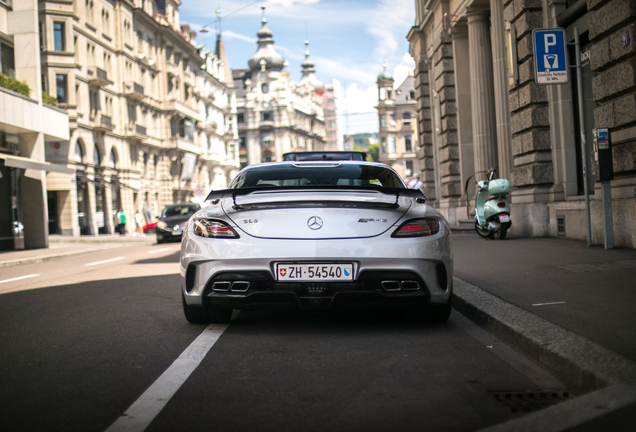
(19, 278)
(160, 250)
(144, 410)
(104, 262)
(545, 304)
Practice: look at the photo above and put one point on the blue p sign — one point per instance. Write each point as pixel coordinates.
(550, 56)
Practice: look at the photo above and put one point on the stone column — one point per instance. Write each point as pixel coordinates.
(504, 137)
(482, 91)
(464, 110)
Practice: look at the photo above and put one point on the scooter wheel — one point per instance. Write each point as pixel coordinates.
(483, 232)
(502, 233)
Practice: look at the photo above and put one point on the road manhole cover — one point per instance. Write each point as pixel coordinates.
(525, 402)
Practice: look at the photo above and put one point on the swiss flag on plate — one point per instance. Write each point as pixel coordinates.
(283, 271)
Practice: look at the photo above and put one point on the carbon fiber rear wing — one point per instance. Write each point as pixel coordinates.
(398, 192)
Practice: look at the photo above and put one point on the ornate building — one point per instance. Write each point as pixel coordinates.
(274, 114)
(398, 133)
(151, 114)
(479, 107)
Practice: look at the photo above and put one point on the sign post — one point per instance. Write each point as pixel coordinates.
(551, 66)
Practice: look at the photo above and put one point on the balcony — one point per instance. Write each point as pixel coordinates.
(209, 126)
(134, 91)
(136, 132)
(172, 69)
(176, 106)
(98, 77)
(103, 123)
(185, 145)
(267, 124)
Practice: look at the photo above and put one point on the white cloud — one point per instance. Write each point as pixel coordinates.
(289, 3)
(229, 34)
(404, 69)
(389, 21)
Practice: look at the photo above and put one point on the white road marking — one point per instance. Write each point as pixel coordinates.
(19, 278)
(545, 304)
(160, 250)
(104, 262)
(143, 411)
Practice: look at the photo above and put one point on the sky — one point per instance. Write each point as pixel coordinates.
(349, 40)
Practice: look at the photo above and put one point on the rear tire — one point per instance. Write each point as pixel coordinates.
(485, 233)
(502, 233)
(205, 314)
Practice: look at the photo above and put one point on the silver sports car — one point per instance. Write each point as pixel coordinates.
(316, 235)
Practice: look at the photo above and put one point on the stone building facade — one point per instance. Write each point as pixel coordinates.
(276, 115)
(397, 125)
(479, 107)
(151, 114)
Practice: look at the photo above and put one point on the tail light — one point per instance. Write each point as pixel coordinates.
(501, 204)
(417, 228)
(213, 228)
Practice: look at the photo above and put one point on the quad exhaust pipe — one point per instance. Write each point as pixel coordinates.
(406, 285)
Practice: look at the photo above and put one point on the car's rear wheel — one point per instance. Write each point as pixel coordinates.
(205, 314)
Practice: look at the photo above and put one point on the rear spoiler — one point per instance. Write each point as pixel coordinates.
(398, 192)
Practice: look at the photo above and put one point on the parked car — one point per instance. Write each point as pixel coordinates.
(325, 155)
(316, 235)
(150, 228)
(172, 221)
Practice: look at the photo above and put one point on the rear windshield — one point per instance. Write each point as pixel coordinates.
(179, 210)
(345, 175)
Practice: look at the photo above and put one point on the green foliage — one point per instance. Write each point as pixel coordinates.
(14, 85)
(48, 99)
(374, 152)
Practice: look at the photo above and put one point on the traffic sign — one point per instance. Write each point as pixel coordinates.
(550, 56)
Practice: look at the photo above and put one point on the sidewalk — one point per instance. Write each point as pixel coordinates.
(65, 246)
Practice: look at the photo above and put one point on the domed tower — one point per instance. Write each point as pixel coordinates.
(266, 55)
(309, 73)
(385, 85)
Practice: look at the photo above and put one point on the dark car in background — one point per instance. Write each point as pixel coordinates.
(325, 156)
(172, 221)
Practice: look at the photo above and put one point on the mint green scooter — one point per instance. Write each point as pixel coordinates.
(492, 207)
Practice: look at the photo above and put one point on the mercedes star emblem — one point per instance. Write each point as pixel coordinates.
(314, 222)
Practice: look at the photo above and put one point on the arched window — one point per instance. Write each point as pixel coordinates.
(97, 157)
(113, 158)
(79, 152)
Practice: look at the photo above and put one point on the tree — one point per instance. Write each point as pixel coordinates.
(374, 152)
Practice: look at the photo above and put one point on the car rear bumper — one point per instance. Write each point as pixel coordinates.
(293, 300)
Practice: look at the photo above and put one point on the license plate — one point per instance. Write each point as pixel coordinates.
(314, 272)
(504, 218)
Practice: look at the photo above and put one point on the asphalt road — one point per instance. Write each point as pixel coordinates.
(83, 338)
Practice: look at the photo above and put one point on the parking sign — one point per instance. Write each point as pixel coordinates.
(550, 56)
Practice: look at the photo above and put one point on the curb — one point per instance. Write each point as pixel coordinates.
(605, 379)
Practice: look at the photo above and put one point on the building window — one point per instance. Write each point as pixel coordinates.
(267, 139)
(383, 144)
(408, 168)
(392, 145)
(7, 62)
(94, 102)
(62, 88)
(383, 121)
(58, 36)
(412, 95)
(240, 118)
(241, 142)
(406, 117)
(265, 88)
(407, 143)
(267, 116)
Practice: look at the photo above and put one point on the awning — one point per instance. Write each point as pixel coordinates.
(27, 163)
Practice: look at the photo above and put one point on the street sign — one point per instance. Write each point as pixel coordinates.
(550, 56)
